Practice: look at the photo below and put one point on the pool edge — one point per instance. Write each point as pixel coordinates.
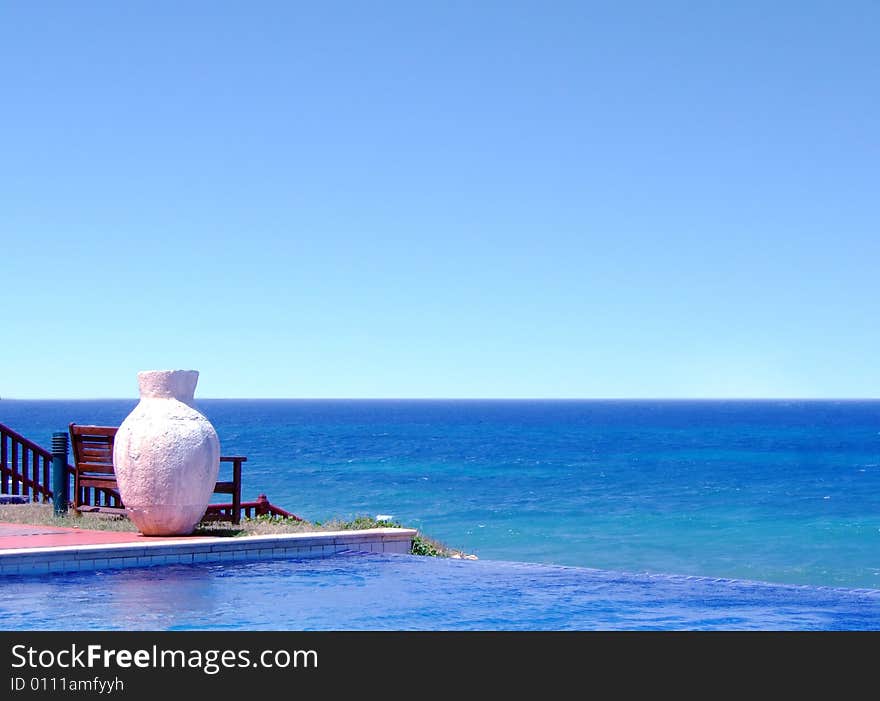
(201, 550)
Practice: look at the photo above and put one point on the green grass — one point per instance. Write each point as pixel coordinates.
(43, 515)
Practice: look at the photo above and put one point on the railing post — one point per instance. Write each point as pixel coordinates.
(236, 491)
(4, 468)
(60, 482)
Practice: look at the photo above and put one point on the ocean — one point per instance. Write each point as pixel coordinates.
(776, 491)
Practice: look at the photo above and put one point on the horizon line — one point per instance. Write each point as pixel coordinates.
(469, 399)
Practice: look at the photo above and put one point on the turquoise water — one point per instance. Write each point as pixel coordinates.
(405, 592)
(778, 491)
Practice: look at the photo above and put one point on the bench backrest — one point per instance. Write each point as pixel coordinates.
(94, 481)
(93, 448)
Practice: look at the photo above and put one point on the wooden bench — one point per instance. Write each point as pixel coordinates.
(94, 481)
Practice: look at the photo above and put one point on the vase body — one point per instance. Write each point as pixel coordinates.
(166, 455)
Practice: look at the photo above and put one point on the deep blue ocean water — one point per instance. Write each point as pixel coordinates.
(776, 491)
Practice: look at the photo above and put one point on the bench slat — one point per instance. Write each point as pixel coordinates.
(99, 482)
(102, 467)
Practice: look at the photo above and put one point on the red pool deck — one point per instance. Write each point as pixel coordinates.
(18, 535)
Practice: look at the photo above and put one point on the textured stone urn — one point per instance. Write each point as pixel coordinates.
(166, 455)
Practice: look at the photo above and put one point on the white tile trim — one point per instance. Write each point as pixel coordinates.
(74, 558)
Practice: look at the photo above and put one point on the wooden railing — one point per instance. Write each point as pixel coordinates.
(25, 467)
(262, 507)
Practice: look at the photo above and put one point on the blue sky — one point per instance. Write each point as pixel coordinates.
(456, 199)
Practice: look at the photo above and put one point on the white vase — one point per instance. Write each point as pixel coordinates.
(166, 455)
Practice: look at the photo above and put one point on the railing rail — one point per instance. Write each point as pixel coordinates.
(25, 467)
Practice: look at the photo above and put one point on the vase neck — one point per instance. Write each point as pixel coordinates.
(168, 384)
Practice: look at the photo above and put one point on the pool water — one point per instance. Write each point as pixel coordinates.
(363, 591)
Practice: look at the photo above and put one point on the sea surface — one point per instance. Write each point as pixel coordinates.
(775, 491)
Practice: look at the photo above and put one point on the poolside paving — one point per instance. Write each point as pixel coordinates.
(17, 535)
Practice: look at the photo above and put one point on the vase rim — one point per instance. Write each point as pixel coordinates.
(165, 384)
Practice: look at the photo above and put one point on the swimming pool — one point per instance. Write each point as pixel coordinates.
(402, 592)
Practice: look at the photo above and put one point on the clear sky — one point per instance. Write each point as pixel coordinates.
(441, 199)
